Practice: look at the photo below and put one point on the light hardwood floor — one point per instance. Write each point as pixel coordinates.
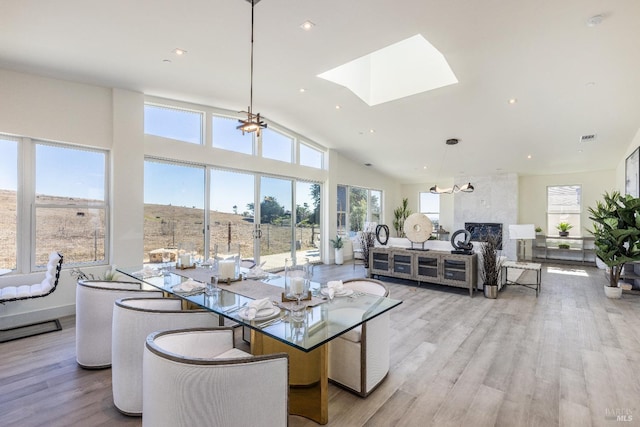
(568, 358)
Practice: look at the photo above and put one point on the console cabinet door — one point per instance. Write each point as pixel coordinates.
(380, 262)
(427, 267)
(402, 265)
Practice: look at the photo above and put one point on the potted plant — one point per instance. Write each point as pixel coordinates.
(563, 229)
(616, 229)
(338, 244)
(538, 230)
(400, 214)
(490, 267)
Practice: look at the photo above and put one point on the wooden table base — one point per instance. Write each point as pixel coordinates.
(308, 377)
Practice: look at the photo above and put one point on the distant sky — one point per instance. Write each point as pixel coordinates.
(70, 172)
(8, 165)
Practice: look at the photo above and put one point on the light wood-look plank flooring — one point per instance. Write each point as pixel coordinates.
(568, 358)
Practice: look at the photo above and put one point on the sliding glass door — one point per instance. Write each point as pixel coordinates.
(173, 210)
(231, 214)
(275, 218)
(251, 210)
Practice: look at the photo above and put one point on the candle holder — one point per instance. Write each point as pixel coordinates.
(227, 264)
(296, 280)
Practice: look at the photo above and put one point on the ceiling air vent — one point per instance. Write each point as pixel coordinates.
(588, 138)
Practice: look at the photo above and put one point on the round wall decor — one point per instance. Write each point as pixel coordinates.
(418, 228)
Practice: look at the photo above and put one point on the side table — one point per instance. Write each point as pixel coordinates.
(523, 266)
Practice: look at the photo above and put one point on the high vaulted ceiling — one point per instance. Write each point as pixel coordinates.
(569, 79)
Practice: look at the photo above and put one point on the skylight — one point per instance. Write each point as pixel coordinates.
(406, 68)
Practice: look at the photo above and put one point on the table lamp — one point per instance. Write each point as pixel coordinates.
(522, 232)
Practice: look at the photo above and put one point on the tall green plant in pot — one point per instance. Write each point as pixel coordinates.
(616, 229)
(400, 214)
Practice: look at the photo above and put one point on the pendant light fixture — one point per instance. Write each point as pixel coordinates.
(253, 122)
(465, 188)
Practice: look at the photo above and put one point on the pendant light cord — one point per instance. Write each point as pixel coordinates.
(251, 66)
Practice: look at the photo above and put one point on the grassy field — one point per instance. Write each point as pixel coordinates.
(78, 232)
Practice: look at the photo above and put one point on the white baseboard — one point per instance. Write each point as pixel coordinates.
(21, 319)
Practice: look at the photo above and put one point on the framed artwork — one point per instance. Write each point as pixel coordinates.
(632, 174)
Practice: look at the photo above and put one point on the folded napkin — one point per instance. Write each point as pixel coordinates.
(256, 273)
(334, 287)
(255, 306)
(147, 271)
(188, 286)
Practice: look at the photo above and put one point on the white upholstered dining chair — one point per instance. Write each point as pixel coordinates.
(133, 320)
(196, 377)
(359, 359)
(94, 314)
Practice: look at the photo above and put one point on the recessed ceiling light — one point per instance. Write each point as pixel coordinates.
(452, 141)
(590, 84)
(179, 51)
(368, 164)
(372, 131)
(166, 60)
(302, 90)
(594, 20)
(337, 107)
(529, 156)
(513, 101)
(307, 25)
(424, 167)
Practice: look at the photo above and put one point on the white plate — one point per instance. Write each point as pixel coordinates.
(342, 293)
(264, 314)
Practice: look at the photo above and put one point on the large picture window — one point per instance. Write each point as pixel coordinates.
(173, 123)
(430, 206)
(563, 205)
(357, 206)
(8, 202)
(276, 146)
(226, 136)
(70, 204)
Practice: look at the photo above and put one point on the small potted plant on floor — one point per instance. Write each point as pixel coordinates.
(616, 229)
(563, 229)
(338, 244)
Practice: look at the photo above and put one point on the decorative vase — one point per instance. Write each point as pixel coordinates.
(339, 256)
(613, 292)
(490, 291)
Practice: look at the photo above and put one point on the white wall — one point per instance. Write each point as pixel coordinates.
(533, 195)
(412, 193)
(495, 199)
(52, 110)
(621, 169)
(113, 119)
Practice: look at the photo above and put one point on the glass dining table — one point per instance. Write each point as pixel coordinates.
(304, 338)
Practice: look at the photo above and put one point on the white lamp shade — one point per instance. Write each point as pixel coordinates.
(522, 231)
